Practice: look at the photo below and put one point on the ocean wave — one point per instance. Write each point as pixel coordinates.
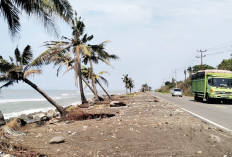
(75, 103)
(26, 100)
(88, 93)
(68, 95)
(20, 100)
(16, 114)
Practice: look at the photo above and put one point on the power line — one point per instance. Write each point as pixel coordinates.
(218, 52)
(194, 59)
(226, 44)
(219, 48)
(189, 61)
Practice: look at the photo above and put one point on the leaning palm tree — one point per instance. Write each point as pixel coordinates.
(18, 69)
(65, 60)
(43, 9)
(87, 73)
(76, 45)
(97, 54)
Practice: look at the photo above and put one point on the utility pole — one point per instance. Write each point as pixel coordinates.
(231, 63)
(185, 72)
(176, 77)
(201, 51)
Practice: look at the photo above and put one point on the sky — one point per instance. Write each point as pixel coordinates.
(153, 38)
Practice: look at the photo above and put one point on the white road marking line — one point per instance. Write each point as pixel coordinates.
(219, 106)
(207, 120)
(196, 115)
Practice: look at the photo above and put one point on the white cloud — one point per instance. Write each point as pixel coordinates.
(115, 12)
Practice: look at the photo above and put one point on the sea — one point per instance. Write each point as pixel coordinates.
(15, 102)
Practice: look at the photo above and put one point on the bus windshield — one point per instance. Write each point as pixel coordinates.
(222, 82)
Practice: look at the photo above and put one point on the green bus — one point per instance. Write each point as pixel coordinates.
(212, 85)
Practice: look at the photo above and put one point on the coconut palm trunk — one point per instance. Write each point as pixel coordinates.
(99, 98)
(88, 85)
(103, 89)
(78, 63)
(93, 81)
(58, 107)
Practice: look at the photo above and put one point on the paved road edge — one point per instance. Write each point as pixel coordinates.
(207, 120)
(198, 116)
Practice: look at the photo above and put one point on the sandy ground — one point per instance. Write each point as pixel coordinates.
(147, 126)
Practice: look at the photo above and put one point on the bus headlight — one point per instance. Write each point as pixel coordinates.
(211, 91)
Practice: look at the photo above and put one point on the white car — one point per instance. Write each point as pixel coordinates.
(176, 92)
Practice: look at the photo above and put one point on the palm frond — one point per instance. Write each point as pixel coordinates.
(94, 58)
(4, 78)
(114, 57)
(46, 57)
(58, 70)
(7, 84)
(45, 9)
(50, 44)
(66, 38)
(64, 9)
(90, 38)
(104, 80)
(85, 50)
(17, 56)
(5, 66)
(85, 59)
(70, 68)
(26, 56)
(32, 72)
(106, 62)
(10, 13)
(11, 59)
(103, 72)
(86, 38)
(78, 26)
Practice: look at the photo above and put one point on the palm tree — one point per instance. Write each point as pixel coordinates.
(18, 70)
(76, 44)
(97, 54)
(43, 9)
(86, 72)
(129, 83)
(125, 80)
(190, 71)
(145, 88)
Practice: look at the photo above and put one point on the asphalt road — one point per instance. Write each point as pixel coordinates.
(220, 114)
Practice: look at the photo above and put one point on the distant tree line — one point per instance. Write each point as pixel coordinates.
(145, 88)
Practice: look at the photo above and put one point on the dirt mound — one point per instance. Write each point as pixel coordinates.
(79, 114)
